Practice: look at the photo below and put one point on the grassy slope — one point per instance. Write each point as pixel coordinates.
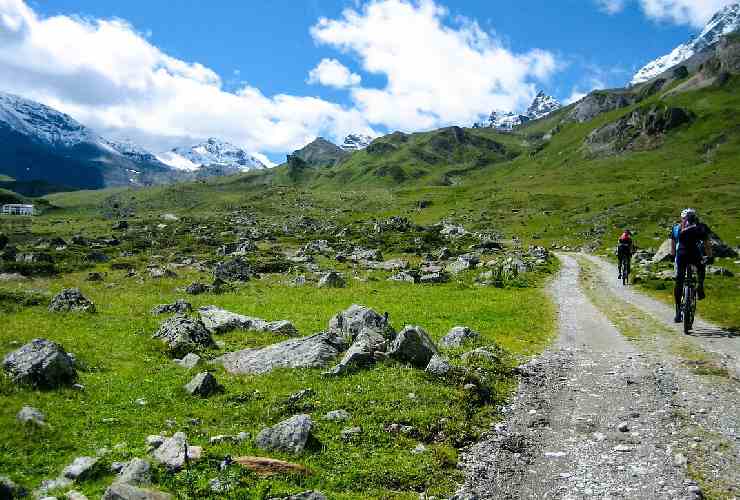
(123, 365)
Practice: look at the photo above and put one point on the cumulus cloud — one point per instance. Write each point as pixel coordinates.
(691, 12)
(107, 75)
(438, 70)
(611, 6)
(110, 77)
(332, 73)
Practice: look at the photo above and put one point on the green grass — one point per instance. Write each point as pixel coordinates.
(122, 364)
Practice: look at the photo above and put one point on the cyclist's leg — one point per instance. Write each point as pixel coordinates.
(678, 289)
(701, 274)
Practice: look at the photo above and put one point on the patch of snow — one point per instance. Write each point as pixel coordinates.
(178, 162)
(722, 23)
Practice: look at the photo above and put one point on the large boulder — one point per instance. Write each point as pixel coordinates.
(457, 336)
(355, 319)
(179, 306)
(183, 334)
(290, 435)
(80, 468)
(332, 279)
(414, 346)
(236, 269)
(71, 299)
(217, 320)
(136, 472)
(664, 252)
(316, 351)
(41, 363)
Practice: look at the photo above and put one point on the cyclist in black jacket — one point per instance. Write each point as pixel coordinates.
(691, 245)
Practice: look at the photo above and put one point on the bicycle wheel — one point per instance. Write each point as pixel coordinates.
(688, 309)
(626, 273)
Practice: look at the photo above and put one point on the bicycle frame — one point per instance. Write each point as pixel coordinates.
(689, 298)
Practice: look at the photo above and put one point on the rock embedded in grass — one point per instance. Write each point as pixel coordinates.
(179, 306)
(217, 320)
(172, 452)
(80, 469)
(41, 363)
(123, 491)
(189, 362)
(136, 472)
(337, 416)
(439, 366)
(230, 270)
(203, 384)
(183, 335)
(71, 299)
(457, 336)
(332, 279)
(414, 346)
(290, 435)
(306, 495)
(28, 415)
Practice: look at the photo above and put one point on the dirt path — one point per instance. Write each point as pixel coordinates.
(709, 336)
(598, 416)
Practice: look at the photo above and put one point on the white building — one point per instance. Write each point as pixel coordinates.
(15, 209)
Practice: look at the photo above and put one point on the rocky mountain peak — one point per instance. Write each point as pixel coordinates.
(211, 152)
(541, 106)
(356, 142)
(726, 21)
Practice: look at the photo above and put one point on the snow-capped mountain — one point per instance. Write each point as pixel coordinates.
(39, 143)
(212, 152)
(44, 124)
(356, 142)
(541, 106)
(723, 22)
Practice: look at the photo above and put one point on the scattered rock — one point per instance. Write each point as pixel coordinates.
(337, 416)
(439, 366)
(315, 351)
(123, 491)
(71, 299)
(332, 279)
(419, 449)
(183, 334)
(41, 363)
(306, 495)
(218, 320)
(350, 432)
(404, 276)
(623, 427)
(236, 269)
(413, 346)
(203, 384)
(80, 469)
(190, 361)
(457, 336)
(433, 278)
(290, 435)
(9, 490)
(136, 472)
(160, 273)
(179, 307)
(32, 416)
(172, 452)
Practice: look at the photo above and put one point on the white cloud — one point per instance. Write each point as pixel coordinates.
(611, 6)
(436, 73)
(111, 78)
(107, 75)
(692, 12)
(332, 73)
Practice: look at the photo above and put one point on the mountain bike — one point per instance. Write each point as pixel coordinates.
(689, 298)
(624, 268)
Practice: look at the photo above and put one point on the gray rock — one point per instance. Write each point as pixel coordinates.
(457, 336)
(316, 351)
(236, 269)
(136, 472)
(403, 277)
(41, 363)
(123, 491)
(290, 435)
(80, 469)
(30, 415)
(183, 334)
(413, 345)
(75, 495)
(355, 319)
(306, 495)
(439, 366)
(172, 452)
(432, 278)
(160, 273)
(179, 306)
(337, 416)
(189, 362)
(218, 320)
(197, 288)
(9, 490)
(203, 384)
(52, 484)
(154, 441)
(71, 299)
(332, 279)
(664, 252)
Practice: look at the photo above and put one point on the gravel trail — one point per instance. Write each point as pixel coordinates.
(597, 417)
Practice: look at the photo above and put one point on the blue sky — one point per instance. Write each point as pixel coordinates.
(240, 69)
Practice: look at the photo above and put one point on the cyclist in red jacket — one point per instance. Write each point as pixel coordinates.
(625, 249)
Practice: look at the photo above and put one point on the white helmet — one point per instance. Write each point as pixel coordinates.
(687, 212)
